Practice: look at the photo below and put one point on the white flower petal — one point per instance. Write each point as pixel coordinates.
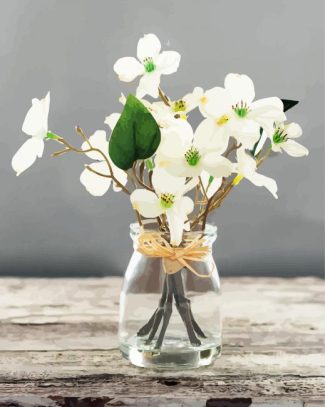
(246, 163)
(210, 136)
(183, 169)
(95, 184)
(163, 114)
(97, 140)
(271, 102)
(149, 84)
(240, 87)
(170, 151)
(263, 181)
(176, 226)
(36, 120)
(245, 131)
(216, 165)
(146, 203)
(165, 183)
(149, 46)
(293, 130)
(27, 154)
(184, 129)
(185, 205)
(190, 185)
(266, 113)
(177, 168)
(267, 125)
(112, 119)
(175, 141)
(261, 142)
(294, 149)
(192, 100)
(218, 102)
(276, 148)
(168, 62)
(128, 68)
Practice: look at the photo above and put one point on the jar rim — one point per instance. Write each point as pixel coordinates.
(135, 228)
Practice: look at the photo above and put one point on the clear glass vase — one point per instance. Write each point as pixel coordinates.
(170, 321)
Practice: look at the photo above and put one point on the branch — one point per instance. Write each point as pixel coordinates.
(88, 167)
(69, 147)
(203, 190)
(138, 179)
(232, 148)
(163, 97)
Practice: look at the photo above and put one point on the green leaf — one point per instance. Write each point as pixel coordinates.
(136, 135)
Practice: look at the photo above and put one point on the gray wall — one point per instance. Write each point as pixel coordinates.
(51, 226)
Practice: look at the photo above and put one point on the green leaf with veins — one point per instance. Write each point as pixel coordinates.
(136, 135)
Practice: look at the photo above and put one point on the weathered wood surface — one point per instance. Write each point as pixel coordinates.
(58, 347)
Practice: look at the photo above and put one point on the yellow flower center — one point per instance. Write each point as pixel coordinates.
(179, 106)
(167, 200)
(222, 120)
(204, 100)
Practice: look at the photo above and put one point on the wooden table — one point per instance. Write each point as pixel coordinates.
(59, 347)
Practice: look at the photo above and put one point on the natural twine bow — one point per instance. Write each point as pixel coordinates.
(152, 244)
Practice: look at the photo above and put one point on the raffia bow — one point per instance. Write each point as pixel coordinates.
(152, 244)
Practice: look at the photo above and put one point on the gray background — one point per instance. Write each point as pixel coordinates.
(51, 226)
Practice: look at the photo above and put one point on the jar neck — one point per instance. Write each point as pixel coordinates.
(208, 236)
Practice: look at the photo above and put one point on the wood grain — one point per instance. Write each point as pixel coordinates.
(59, 347)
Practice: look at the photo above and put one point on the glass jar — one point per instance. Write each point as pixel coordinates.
(171, 320)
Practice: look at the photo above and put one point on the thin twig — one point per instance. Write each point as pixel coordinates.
(82, 134)
(163, 97)
(141, 171)
(137, 179)
(261, 160)
(92, 149)
(60, 152)
(233, 147)
(138, 217)
(88, 167)
(203, 189)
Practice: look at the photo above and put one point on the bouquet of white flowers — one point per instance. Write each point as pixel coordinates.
(173, 174)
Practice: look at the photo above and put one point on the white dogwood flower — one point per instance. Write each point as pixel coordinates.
(169, 199)
(168, 115)
(235, 113)
(36, 126)
(151, 64)
(187, 155)
(283, 139)
(246, 168)
(98, 185)
(178, 108)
